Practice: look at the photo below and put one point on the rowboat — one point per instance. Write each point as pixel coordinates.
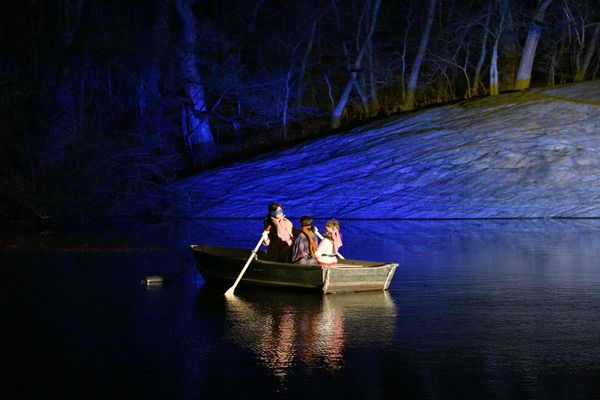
(222, 265)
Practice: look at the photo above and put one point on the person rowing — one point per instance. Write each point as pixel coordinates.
(281, 235)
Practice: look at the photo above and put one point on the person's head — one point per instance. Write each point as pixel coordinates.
(275, 210)
(332, 223)
(306, 221)
(331, 226)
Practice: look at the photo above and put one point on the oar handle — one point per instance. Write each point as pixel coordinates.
(321, 237)
(229, 291)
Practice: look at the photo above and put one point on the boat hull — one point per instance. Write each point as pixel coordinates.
(221, 266)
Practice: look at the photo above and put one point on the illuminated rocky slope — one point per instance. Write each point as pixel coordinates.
(527, 154)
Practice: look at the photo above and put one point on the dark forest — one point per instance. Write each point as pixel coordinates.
(102, 99)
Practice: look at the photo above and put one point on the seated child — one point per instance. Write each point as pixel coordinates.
(328, 249)
(305, 245)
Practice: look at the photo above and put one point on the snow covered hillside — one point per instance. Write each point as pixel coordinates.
(526, 154)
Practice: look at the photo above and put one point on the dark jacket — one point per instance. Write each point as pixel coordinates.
(301, 249)
(278, 250)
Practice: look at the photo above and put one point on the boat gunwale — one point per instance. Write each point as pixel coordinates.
(343, 265)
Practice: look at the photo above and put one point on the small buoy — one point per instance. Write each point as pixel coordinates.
(154, 280)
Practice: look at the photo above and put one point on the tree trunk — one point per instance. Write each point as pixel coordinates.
(527, 56)
(404, 51)
(286, 102)
(81, 102)
(309, 46)
(483, 52)
(198, 128)
(336, 116)
(580, 75)
(556, 57)
(595, 73)
(411, 89)
(494, 84)
(66, 99)
(374, 99)
(364, 101)
(109, 87)
(551, 81)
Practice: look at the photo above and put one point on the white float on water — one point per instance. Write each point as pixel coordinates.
(154, 280)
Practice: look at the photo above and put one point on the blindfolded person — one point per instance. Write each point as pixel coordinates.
(281, 236)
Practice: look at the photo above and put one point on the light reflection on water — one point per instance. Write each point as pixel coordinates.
(477, 309)
(284, 329)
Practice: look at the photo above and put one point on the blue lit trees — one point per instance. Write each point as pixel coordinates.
(582, 26)
(500, 11)
(411, 88)
(102, 99)
(592, 47)
(356, 66)
(194, 121)
(483, 49)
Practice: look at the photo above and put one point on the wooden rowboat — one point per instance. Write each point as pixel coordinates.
(222, 265)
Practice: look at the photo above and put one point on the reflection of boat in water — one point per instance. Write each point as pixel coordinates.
(285, 329)
(222, 265)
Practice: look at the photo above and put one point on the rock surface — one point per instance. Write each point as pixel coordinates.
(525, 154)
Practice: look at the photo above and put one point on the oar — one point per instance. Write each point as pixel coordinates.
(229, 291)
(321, 237)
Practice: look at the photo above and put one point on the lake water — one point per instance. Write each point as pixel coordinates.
(477, 309)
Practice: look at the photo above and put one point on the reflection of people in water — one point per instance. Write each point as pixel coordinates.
(282, 336)
(332, 336)
(277, 343)
(291, 334)
(286, 330)
(309, 325)
(322, 336)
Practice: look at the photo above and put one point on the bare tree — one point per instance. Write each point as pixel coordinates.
(69, 90)
(597, 68)
(589, 53)
(195, 124)
(501, 25)
(556, 57)
(528, 54)
(483, 50)
(336, 115)
(409, 99)
(303, 64)
(373, 96)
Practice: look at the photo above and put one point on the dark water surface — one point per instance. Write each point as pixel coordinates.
(477, 309)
